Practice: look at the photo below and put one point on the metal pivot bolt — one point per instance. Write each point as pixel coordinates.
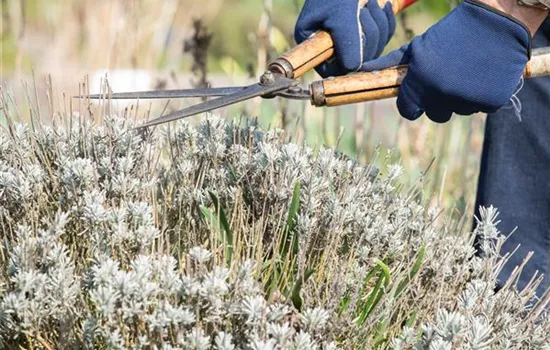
(267, 78)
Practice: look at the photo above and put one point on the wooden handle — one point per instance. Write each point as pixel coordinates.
(357, 87)
(362, 87)
(318, 49)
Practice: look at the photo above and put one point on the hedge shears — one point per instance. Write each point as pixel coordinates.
(280, 80)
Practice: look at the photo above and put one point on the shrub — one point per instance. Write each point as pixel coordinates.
(224, 237)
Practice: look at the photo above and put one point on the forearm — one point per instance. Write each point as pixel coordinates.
(531, 17)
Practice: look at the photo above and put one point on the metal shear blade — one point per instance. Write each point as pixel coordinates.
(179, 93)
(278, 83)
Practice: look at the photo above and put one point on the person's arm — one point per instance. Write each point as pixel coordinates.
(531, 17)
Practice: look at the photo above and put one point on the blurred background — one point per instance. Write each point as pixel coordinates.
(53, 49)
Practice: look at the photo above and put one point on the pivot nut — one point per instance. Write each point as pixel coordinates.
(267, 78)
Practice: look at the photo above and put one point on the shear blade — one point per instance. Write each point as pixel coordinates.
(179, 93)
(280, 83)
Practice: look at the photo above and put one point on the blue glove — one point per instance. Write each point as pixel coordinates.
(359, 34)
(471, 61)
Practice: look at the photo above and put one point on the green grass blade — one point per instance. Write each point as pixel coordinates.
(344, 304)
(371, 301)
(273, 281)
(283, 274)
(369, 276)
(222, 225)
(296, 298)
(361, 304)
(412, 319)
(209, 217)
(290, 237)
(414, 271)
(376, 294)
(385, 271)
(381, 337)
(233, 173)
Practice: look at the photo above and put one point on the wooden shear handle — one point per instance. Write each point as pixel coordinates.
(362, 87)
(318, 49)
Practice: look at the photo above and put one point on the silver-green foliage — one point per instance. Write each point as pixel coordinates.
(116, 238)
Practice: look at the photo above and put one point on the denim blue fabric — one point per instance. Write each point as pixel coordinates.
(515, 174)
(471, 61)
(359, 34)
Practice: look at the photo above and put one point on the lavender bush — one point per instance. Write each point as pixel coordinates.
(222, 237)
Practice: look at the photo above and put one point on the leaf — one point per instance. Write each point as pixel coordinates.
(381, 337)
(296, 298)
(290, 237)
(294, 207)
(371, 301)
(344, 304)
(272, 281)
(284, 269)
(385, 270)
(414, 271)
(209, 216)
(221, 223)
(233, 173)
(412, 319)
(376, 294)
(368, 277)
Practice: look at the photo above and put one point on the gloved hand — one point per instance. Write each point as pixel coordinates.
(471, 61)
(359, 34)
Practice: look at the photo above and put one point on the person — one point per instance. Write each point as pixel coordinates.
(470, 61)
